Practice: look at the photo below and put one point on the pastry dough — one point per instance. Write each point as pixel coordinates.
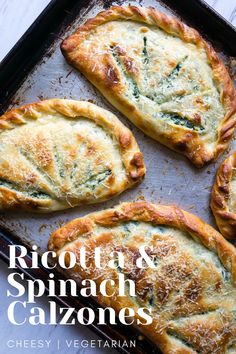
(192, 292)
(162, 75)
(57, 154)
(223, 199)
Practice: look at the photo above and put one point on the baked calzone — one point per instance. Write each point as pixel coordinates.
(223, 198)
(162, 75)
(57, 154)
(192, 289)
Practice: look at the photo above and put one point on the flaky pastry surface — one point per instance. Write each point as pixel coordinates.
(192, 291)
(162, 75)
(57, 154)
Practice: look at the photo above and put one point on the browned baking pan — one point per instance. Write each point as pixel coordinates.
(35, 69)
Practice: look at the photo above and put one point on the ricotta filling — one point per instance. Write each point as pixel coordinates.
(60, 159)
(168, 80)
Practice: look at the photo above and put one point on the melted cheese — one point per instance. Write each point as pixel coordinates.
(65, 160)
(168, 80)
(190, 292)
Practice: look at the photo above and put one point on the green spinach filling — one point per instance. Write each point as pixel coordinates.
(93, 181)
(59, 162)
(178, 120)
(133, 87)
(145, 52)
(34, 193)
(158, 98)
(167, 82)
(38, 194)
(175, 72)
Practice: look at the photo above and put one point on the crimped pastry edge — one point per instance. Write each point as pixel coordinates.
(186, 143)
(226, 221)
(128, 147)
(147, 212)
(157, 214)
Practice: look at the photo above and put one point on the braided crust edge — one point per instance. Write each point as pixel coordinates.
(226, 221)
(188, 143)
(130, 154)
(156, 214)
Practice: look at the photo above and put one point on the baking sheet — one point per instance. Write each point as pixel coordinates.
(170, 178)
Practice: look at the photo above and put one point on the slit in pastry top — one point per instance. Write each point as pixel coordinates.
(57, 154)
(191, 291)
(161, 74)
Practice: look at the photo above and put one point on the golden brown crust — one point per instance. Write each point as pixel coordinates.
(106, 79)
(179, 293)
(157, 214)
(49, 123)
(226, 220)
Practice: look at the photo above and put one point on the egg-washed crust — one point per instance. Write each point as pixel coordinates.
(106, 79)
(82, 230)
(126, 145)
(226, 220)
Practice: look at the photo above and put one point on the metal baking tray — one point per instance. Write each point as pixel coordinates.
(35, 69)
